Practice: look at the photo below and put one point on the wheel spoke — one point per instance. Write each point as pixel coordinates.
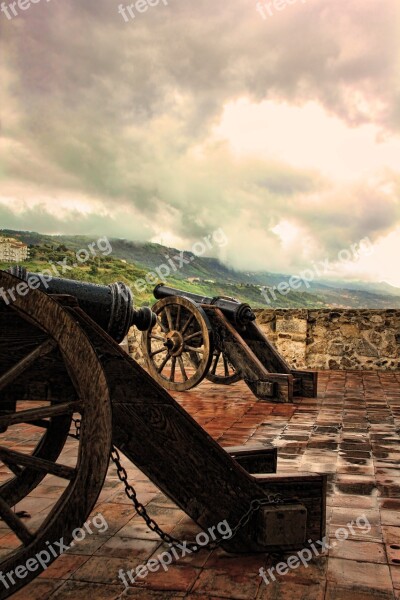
(169, 318)
(26, 362)
(226, 366)
(15, 523)
(159, 338)
(164, 362)
(13, 468)
(193, 349)
(178, 317)
(40, 464)
(190, 319)
(28, 416)
(155, 352)
(192, 335)
(173, 366)
(41, 423)
(182, 368)
(163, 328)
(215, 364)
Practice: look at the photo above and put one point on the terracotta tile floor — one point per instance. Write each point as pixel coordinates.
(351, 431)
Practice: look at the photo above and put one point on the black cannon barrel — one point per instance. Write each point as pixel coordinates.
(110, 306)
(236, 311)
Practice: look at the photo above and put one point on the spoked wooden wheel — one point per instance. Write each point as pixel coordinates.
(221, 371)
(49, 373)
(181, 332)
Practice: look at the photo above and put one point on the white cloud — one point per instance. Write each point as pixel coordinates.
(307, 137)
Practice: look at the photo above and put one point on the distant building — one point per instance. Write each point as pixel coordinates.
(11, 250)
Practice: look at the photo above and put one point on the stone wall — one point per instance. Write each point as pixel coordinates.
(326, 339)
(335, 339)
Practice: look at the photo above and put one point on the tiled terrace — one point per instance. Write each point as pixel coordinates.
(351, 431)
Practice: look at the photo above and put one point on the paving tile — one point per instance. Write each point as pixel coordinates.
(128, 547)
(340, 592)
(176, 578)
(358, 550)
(390, 517)
(224, 584)
(358, 518)
(64, 566)
(77, 590)
(89, 545)
(391, 535)
(291, 590)
(360, 575)
(395, 573)
(147, 594)
(357, 502)
(116, 515)
(38, 589)
(99, 569)
(393, 553)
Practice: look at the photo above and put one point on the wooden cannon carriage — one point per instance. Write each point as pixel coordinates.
(57, 364)
(221, 340)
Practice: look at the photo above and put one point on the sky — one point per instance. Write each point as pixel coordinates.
(278, 122)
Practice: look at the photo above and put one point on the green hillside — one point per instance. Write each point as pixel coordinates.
(130, 262)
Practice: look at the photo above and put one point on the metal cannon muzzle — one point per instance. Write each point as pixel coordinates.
(110, 306)
(238, 312)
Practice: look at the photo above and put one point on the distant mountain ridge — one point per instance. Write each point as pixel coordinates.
(208, 275)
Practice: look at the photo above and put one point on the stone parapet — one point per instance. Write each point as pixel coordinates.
(335, 339)
(326, 339)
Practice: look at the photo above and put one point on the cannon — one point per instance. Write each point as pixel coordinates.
(198, 337)
(110, 306)
(61, 373)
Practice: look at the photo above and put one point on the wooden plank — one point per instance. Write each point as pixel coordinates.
(255, 458)
(267, 354)
(246, 363)
(308, 383)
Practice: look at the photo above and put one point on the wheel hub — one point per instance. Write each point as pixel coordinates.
(174, 343)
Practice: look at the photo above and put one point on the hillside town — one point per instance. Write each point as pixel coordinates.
(12, 250)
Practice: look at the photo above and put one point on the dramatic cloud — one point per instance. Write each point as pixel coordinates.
(193, 116)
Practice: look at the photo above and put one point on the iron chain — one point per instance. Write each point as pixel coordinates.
(77, 423)
(130, 491)
(255, 505)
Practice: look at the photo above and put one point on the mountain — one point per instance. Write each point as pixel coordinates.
(131, 261)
